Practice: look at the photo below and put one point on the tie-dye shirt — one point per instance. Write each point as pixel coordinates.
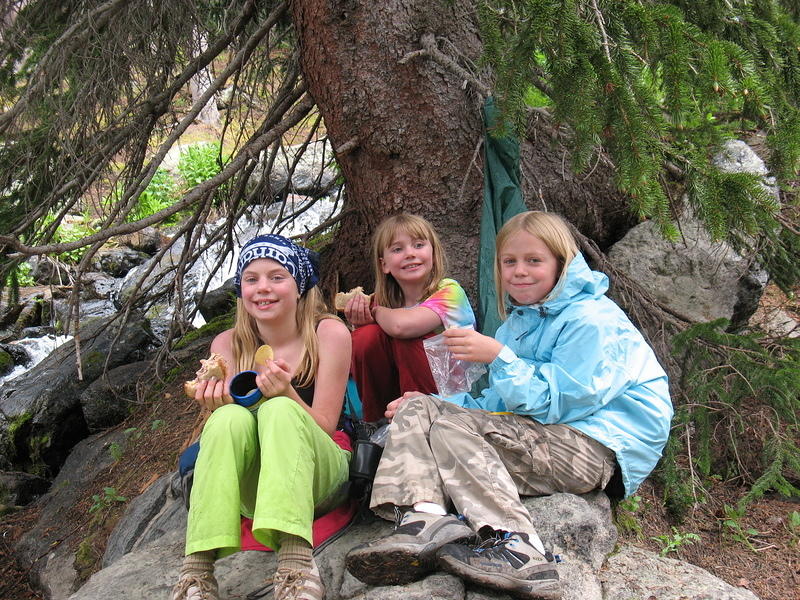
(450, 302)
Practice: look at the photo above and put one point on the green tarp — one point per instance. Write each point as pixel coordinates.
(502, 199)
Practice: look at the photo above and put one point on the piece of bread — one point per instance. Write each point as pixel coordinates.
(342, 298)
(213, 367)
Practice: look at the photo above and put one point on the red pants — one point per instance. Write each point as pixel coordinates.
(384, 368)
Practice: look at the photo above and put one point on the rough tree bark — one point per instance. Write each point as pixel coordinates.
(405, 133)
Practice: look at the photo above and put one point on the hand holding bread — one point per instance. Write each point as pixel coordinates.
(215, 367)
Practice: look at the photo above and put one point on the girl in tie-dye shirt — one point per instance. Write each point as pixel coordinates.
(412, 301)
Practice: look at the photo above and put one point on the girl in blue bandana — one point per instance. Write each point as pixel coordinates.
(280, 462)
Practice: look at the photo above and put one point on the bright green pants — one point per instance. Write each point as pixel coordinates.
(274, 467)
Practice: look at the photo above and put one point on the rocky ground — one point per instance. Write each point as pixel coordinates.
(760, 552)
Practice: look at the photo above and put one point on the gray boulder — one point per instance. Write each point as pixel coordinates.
(47, 549)
(107, 400)
(40, 412)
(636, 573)
(579, 528)
(217, 302)
(117, 261)
(697, 277)
(314, 174)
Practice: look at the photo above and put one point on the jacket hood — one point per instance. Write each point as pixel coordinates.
(578, 282)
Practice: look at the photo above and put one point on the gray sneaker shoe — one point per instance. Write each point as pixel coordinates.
(409, 553)
(509, 564)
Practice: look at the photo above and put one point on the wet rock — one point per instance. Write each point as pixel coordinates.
(107, 400)
(217, 302)
(147, 240)
(40, 412)
(19, 489)
(118, 261)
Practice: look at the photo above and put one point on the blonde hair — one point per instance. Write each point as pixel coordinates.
(548, 227)
(311, 310)
(387, 290)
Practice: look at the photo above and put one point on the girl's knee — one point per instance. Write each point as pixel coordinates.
(232, 417)
(366, 338)
(280, 408)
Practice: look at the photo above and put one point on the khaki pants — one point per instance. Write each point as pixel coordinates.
(482, 462)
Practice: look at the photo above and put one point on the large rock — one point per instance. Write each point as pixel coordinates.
(47, 549)
(107, 400)
(698, 278)
(40, 412)
(217, 302)
(118, 261)
(636, 573)
(314, 172)
(579, 528)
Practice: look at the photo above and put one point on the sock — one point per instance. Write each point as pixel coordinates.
(295, 553)
(430, 507)
(199, 562)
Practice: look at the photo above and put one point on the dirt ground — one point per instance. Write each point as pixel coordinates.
(760, 552)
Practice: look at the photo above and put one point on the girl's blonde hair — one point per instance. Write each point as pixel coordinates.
(387, 290)
(311, 310)
(548, 227)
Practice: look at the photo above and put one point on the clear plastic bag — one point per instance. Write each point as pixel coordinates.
(452, 376)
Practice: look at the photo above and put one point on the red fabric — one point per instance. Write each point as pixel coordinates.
(384, 368)
(324, 526)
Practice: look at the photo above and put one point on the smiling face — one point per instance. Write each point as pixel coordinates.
(268, 290)
(528, 269)
(408, 259)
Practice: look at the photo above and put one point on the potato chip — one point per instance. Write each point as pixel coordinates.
(263, 354)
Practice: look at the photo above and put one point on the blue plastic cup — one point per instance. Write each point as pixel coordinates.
(244, 390)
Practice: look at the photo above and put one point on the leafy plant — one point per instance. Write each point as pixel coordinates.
(671, 543)
(732, 524)
(160, 193)
(200, 162)
(625, 515)
(108, 498)
(133, 433)
(157, 424)
(115, 450)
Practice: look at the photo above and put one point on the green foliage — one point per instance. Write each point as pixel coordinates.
(107, 499)
(116, 451)
(626, 515)
(19, 276)
(672, 543)
(157, 424)
(733, 528)
(200, 162)
(656, 85)
(160, 193)
(728, 374)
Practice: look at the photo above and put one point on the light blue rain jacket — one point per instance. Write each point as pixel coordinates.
(576, 359)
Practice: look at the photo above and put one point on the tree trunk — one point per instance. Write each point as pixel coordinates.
(404, 132)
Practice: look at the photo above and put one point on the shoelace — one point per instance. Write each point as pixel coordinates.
(493, 542)
(291, 582)
(202, 582)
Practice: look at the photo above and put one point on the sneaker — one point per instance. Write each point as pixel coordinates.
(196, 586)
(294, 584)
(409, 553)
(509, 564)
